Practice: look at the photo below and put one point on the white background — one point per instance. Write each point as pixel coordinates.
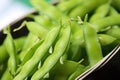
(11, 10)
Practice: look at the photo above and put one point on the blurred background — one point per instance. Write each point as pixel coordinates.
(11, 10)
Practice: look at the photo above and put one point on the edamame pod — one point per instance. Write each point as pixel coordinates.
(31, 39)
(31, 50)
(100, 12)
(53, 13)
(62, 71)
(10, 47)
(37, 29)
(46, 8)
(6, 75)
(3, 54)
(103, 23)
(19, 42)
(75, 47)
(113, 11)
(66, 6)
(92, 44)
(59, 50)
(106, 39)
(114, 31)
(44, 21)
(86, 7)
(39, 54)
(79, 70)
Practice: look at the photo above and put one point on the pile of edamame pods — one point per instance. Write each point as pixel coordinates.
(63, 40)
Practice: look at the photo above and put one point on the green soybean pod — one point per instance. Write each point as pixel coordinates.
(66, 6)
(113, 11)
(29, 52)
(2, 68)
(3, 54)
(103, 23)
(44, 20)
(86, 7)
(39, 54)
(106, 39)
(79, 70)
(100, 12)
(114, 31)
(65, 69)
(6, 75)
(46, 8)
(92, 44)
(52, 12)
(10, 47)
(19, 42)
(31, 39)
(36, 29)
(75, 47)
(59, 50)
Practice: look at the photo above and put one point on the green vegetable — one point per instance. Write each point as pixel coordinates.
(92, 44)
(103, 23)
(31, 38)
(106, 39)
(59, 50)
(86, 7)
(100, 12)
(79, 70)
(59, 45)
(38, 55)
(36, 29)
(10, 47)
(67, 6)
(44, 20)
(6, 75)
(3, 54)
(114, 31)
(113, 11)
